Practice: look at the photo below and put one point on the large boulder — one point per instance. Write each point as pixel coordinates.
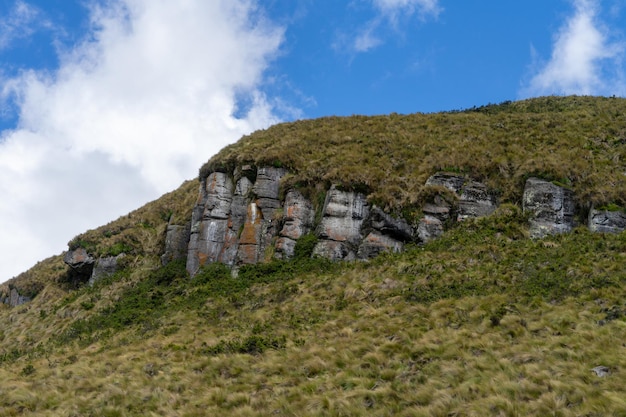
(436, 214)
(551, 207)
(80, 261)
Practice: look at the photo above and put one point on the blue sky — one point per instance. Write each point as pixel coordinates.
(105, 105)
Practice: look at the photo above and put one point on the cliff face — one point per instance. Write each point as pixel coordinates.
(249, 216)
(245, 217)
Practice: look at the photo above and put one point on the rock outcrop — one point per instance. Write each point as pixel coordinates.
(607, 221)
(176, 242)
(299, 218)
(81, 262)
(473, 199)
(235, 218)
(551, 207)
(242, 218)
(104, 267)
(87, 268)
(340, 229)
(14, 298)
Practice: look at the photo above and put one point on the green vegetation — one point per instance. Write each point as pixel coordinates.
(575, 141)
(482, 321)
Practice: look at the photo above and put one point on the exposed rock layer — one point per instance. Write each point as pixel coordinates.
(551, 207)
(242, 218)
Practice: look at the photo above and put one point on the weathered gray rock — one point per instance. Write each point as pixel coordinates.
(606, 221)
(267, 183)
(176, 242)
(436, 214)
(298, 217)
(340, 228)
(104, 267)
(397, 229)
(452, 182)
(209, 221)
(551, 207)
(262, 217)
(15, 299)
(80, 261)
(219, 196)
(429, 228)
(375, 243)
(384, 233)
(475, 201)
(601, 371)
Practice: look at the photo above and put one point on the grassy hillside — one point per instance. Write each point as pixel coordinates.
(577, 141)
(482, 321)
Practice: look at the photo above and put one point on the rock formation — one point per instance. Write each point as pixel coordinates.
(299, 217)
(86, 268)
(551, 207)
(14, 298)
(340, 229)
(81, 262)
(242, 218)
(104, 267)
(176, 242)
(607, 221)
(473, 199)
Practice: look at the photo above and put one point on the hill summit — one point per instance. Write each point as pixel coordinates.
(489, 277)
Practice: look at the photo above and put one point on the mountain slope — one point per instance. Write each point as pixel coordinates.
(482, 321)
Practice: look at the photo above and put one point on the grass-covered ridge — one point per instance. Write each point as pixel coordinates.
(480, 322)
(576, 141)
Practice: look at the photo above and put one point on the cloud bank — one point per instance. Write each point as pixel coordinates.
(585, 60)
(150, 94)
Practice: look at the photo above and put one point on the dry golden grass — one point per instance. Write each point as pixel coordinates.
(482, 322)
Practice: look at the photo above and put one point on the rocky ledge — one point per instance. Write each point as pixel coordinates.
(245, 216)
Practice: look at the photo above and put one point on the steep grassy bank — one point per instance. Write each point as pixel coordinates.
(482, 321)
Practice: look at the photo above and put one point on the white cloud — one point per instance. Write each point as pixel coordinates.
(366, 39)
(20, 22)
(389, 13)
(394, 7)
(584, 59)
(132, 111)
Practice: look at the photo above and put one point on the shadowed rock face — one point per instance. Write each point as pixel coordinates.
(80, 261)
(89, 269)
(176, 242)
(551, 207)
(606, 221)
